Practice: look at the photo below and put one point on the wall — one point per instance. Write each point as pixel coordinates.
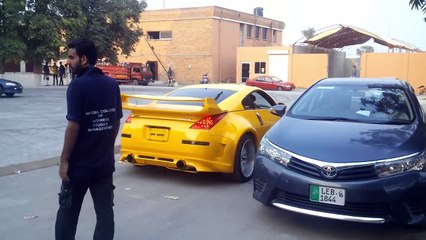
(406, 66)
(256, 54)
(205, 40)
(188, 53)
(306, 69)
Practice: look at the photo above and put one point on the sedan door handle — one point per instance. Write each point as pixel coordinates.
(260, 118)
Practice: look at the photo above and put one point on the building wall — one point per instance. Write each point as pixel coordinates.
(406, 66)
(204, 40)
(255, 54)
(303, 69)
(306, 69)
(190, 51)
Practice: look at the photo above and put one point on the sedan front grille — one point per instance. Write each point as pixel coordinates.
(346, 173)
(350, 208)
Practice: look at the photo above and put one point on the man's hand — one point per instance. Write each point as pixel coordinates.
(71, 133)
(63, 171)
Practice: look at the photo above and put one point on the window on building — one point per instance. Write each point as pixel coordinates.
(274, 35)
(260, 67)
(249, 30)
(241, 34)
(159, 34)
(264, 33)
(257, 32)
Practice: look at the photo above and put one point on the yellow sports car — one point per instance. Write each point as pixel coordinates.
(199, 128)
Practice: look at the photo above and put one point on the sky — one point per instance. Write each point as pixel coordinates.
(386, 18)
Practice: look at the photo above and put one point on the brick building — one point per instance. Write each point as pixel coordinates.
(195, 41)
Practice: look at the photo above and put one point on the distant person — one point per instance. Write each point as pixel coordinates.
(87, 161)
(354, 71)
(46, 73)
(170, 75)
(61, 74)
(70, 73)
(54, 70)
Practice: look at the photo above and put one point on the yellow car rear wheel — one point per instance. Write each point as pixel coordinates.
(244, 159)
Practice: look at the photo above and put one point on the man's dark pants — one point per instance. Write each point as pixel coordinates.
(61, 79)
(71, 198)
(55, 79)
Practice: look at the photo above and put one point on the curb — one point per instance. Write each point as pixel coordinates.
(39, 164)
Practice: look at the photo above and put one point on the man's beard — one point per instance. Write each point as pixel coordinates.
(77, 69)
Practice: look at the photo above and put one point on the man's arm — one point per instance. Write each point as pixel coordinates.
(117, 128)
(71, 134)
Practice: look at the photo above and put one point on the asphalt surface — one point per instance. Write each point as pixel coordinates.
(151, 203)
(32, 125)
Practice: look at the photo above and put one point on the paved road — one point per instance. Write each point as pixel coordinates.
(32, 124)
(209, 208)
(209, 205)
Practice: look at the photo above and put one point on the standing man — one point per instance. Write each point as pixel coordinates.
(61, 74)
(170, 76)
(354, 71)
(87, 159)
(54, 69)
(46, 72)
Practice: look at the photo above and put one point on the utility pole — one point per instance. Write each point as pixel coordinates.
(159, 61)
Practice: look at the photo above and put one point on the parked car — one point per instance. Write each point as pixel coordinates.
(348, 149)
(271, 83)
(199, 128)
(10, 88)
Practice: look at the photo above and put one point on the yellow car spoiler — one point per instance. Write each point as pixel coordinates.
(209, 107)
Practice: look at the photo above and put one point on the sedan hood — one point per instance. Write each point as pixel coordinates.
(342, 141)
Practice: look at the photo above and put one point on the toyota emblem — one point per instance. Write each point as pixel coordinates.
(329, 172)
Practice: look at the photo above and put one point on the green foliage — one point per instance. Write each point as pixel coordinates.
(12, 46)
(112, 24)
(308, 33)
(39, 29)
(418, 4)
(364, 49)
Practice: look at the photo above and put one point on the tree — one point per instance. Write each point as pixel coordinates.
(42, 27)
(38, 29)
(12, 45)
(418, 4)
(308, 33)
(112, 24)
(364, 49)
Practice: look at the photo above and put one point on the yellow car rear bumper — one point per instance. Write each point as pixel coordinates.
(217, 155)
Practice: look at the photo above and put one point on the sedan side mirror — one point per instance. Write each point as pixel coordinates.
(278, 110)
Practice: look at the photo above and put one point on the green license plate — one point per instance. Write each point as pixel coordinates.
(328, 195)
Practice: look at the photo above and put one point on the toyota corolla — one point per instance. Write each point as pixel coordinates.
(348, 149)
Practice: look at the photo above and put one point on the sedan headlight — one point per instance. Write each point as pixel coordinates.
(269, 150)
(409, 164)
(10, 84)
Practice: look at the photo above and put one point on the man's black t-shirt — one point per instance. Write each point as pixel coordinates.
(93, 101)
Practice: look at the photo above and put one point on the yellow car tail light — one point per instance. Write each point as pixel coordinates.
(129, 118)
(208, 122)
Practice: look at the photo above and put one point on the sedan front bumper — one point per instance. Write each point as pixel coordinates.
(399, 198)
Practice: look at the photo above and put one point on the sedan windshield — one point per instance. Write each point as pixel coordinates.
(354, 103)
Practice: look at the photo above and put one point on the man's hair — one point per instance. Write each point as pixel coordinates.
(86, 47)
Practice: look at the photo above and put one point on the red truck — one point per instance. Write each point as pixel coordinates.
(127, 73)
